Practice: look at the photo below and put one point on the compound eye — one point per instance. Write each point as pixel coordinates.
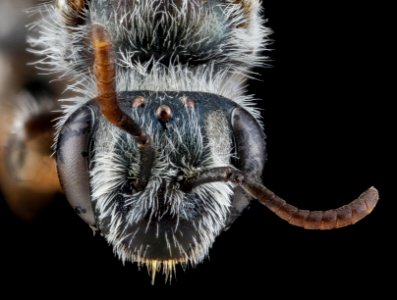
(251, 152)
(73, 161)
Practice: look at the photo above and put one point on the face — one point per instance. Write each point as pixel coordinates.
(159, 221)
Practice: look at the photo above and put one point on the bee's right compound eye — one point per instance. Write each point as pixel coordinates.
(73, 161)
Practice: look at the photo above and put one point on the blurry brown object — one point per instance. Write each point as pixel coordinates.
(28, 179)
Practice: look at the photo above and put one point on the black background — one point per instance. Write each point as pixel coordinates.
(328, 123)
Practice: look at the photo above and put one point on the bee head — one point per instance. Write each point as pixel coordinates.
(137, 199)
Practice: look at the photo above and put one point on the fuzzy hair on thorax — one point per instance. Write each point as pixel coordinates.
(160, 45)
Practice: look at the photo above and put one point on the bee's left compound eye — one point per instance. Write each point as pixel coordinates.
(73, 161)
